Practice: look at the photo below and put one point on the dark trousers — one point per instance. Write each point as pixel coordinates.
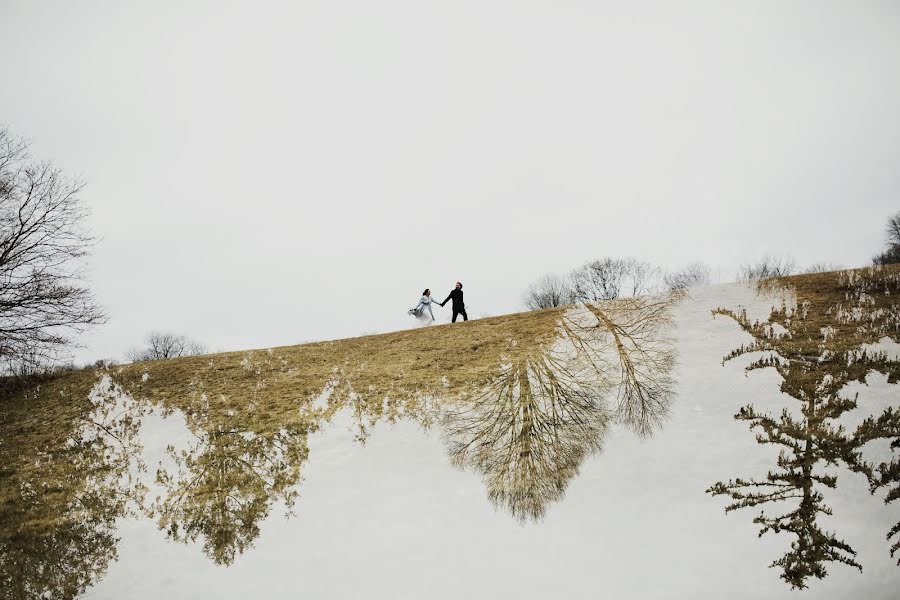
(459, 311)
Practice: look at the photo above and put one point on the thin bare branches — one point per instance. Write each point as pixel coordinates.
(891, 254)
(529, 428)
(768, 267)
(160, 345)
(630, 340)
(44, 300)
(611, 278)
(549, 291)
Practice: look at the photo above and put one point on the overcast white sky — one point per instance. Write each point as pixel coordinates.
(265, 173)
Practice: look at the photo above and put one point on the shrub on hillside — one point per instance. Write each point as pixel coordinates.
(611, 278)
(766, 268)
(822, 267)
(693, 275)
(162, 345)
(549, 291)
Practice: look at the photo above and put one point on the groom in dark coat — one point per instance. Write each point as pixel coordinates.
(458, 307)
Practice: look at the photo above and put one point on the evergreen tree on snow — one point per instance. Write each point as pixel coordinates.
(816, 346)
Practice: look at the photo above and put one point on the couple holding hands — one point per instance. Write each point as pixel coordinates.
(425, 302)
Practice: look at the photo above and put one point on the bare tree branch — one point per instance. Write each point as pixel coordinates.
(768, 267)
(549, 291)
(693, 275)
(44, 299)
(891, 255)
(160, 345)
(611, 278)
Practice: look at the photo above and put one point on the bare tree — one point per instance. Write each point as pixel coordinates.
(44, 300)
(693, 275)
(162, 345)
(892, 254)
(641, 278)
(549, 291)
(893, 230)
(611, 278)
(598, 280)
(530, 427)
(822, 267)
(629, 341)
(766, 268)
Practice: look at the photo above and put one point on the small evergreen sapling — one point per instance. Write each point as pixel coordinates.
(817, 345)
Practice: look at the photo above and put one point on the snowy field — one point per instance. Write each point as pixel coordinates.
(393, 518)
